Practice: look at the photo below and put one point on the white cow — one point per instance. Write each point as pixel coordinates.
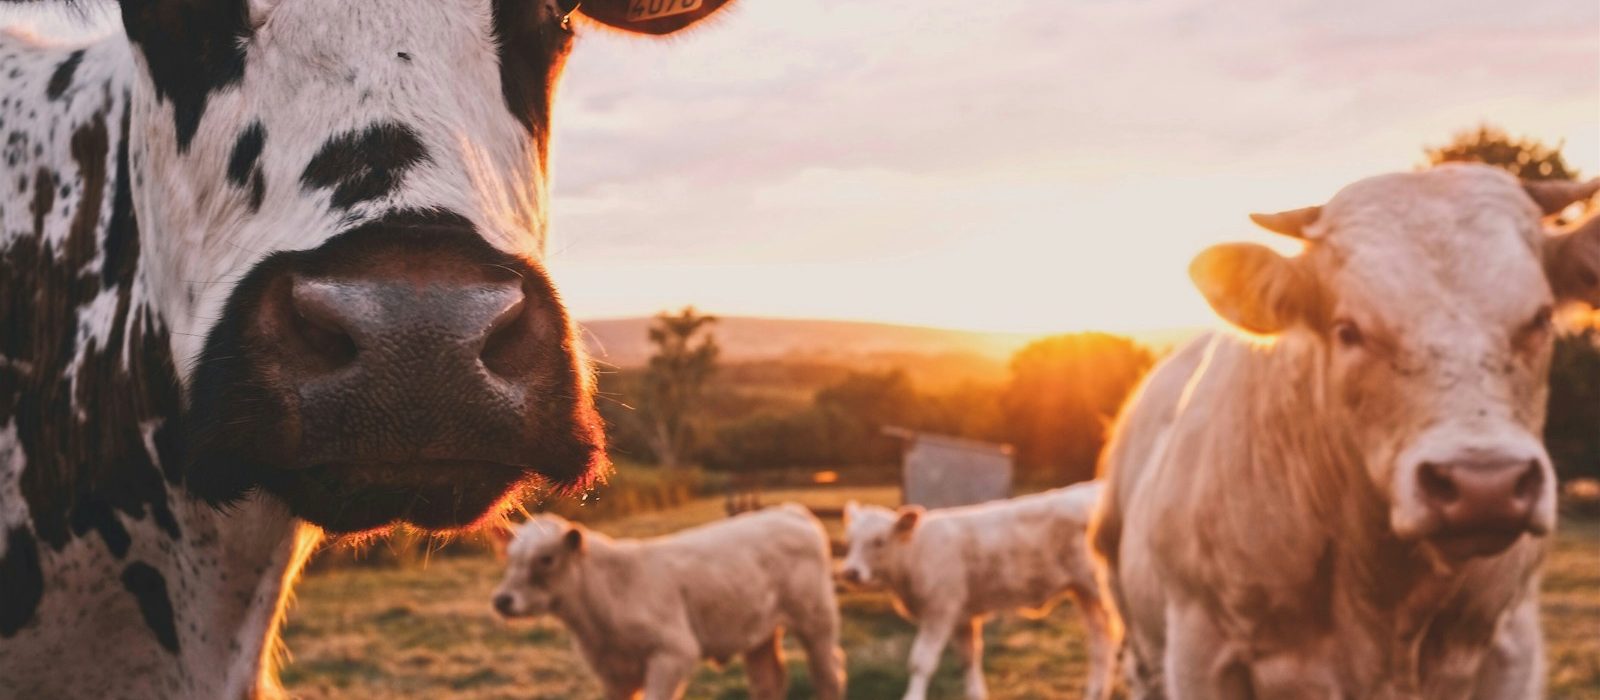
(950, 568)
(1351, 503)
(645, 612)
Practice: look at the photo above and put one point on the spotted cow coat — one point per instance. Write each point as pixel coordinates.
(144, 177)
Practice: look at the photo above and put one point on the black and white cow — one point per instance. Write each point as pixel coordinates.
(268, 269)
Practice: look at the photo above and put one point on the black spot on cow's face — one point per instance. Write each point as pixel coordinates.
(22, 581)
(62, 78)
(149, 589)
(246, 152)
(244, 167)
(364, 165)
(192, 48)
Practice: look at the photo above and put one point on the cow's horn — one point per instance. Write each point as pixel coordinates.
(1552, 196)
(1289, 223)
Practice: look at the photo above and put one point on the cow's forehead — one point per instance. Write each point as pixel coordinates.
(1459, 241)
(866, 520)
(538, 532)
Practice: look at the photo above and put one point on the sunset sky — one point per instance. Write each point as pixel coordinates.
(1022, 165)
(1032, 165)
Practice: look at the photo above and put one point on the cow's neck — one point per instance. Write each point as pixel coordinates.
(112, 576)
(900, 573)
(601, 575)
(1321, 549)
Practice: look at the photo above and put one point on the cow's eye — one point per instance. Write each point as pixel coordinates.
(877, 542)
(546, 560)
(1348, 333)
(1537, 327)
(1541, 321)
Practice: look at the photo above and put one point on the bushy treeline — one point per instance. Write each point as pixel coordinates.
(1060, 394)
(1572, 428)
(764, 417)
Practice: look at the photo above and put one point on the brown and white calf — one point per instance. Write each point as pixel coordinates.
(949, 569)
(1352, 502)
(644, 613)
(268, 268)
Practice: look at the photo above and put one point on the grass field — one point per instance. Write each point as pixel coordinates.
(428, 632)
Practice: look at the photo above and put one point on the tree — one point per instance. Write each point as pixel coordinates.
(842, 426)
(674, 381)
(1064, 391)
(1527, 158)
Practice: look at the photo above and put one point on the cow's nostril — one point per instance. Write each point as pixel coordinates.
(1436, 483)
(502, 604)
(506, 345)
(319, 327)
(1529, 484)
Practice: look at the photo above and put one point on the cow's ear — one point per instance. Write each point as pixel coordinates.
(906, 520)
(1572, 263)
(650, 16)
(850, 507)
(1254, 288)
(500, 535)
(573, 539)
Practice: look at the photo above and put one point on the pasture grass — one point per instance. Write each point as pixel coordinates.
(427, 631)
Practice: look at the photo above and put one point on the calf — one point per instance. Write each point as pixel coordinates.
(643, 613)
(268, 269)
(948, 569)
(1352, 502)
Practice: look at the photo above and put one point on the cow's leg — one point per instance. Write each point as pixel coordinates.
(819, 635)
(1102, 646)
(925, 649)
(1200, 662)
(665, 675)
(618, 691)
(764, 667)
(969, 642)
(1514, 665)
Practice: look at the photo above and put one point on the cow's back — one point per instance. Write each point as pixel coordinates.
(1024, 552)
(740, 577)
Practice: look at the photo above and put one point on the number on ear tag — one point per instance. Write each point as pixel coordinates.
(641, 10)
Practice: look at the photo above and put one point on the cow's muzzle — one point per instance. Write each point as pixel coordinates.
(403, 371)
(1478, 500)
(1481, 506)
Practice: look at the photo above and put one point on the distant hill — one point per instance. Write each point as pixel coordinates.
(622, 342)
